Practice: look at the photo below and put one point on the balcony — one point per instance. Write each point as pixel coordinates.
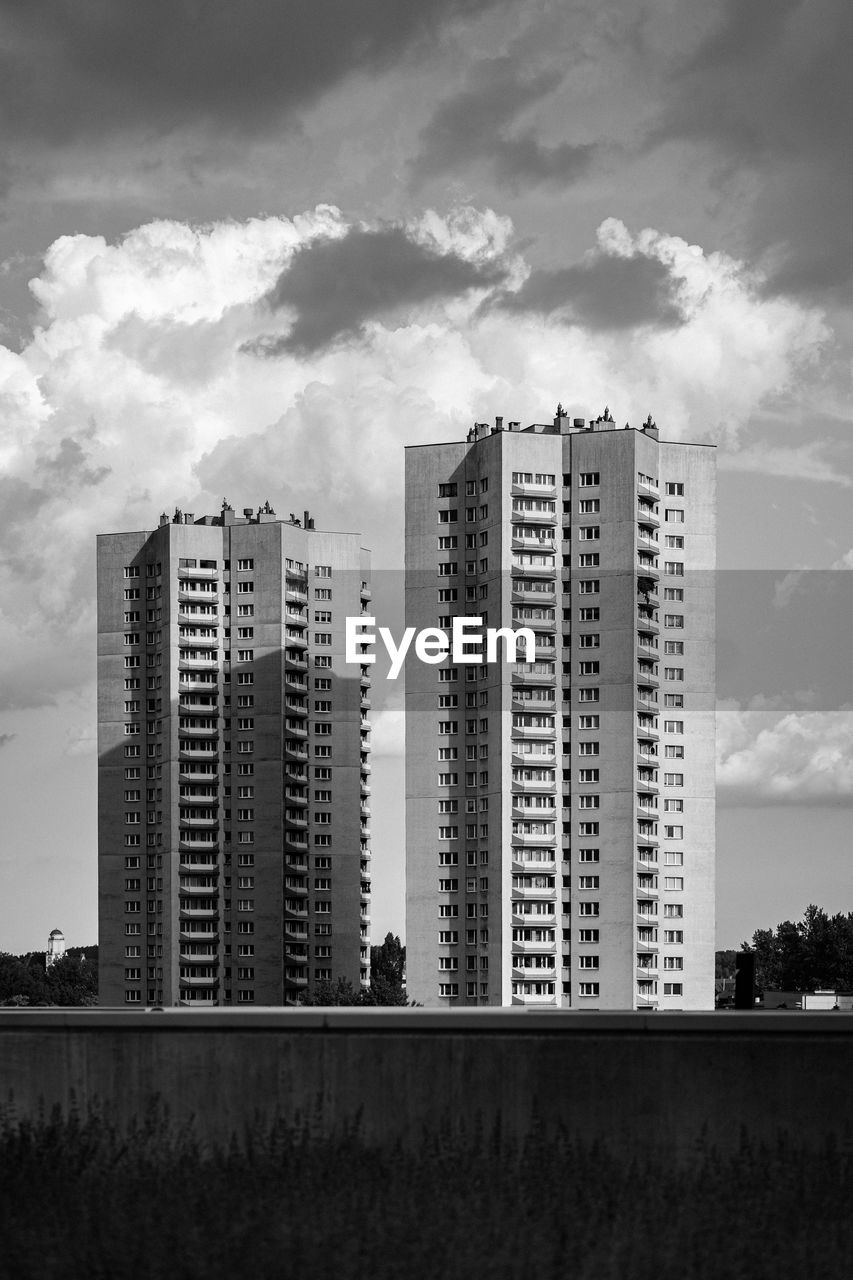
(648, 569)
(297, 639)
(293, 663)
(522, 595)
(534, 948)
(294, 683)
(295, 618)
(199, 731)
(295, 932)
(293, 796)
(295, 595)
(645, 542)
(521, 974)
(296, 842)
(646, 515)
(537, 813)
(298, 752)
(296, 978)
(197, 935)
(208, 821)
(530, 675)
(294, 955)
(534, 786)
(209, 980)
(197, 663)
(545, 570)
(295, 909)
(185, 572)
(365, 592)
(528, 919)
(198, 957)
(296, 708)
(187, 596)
(534, 1000)
(191, 842)
(532, 733)
(533, 542)
(210, 642)
(209, 751)
(295, 730)
(194, 912)
(532, 489)
(647, 491)
(296, 885)
(198, 868)
(525, 866)
(300, 822)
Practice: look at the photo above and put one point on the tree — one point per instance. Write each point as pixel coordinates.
(816, 952)
(388, 972)
(71, 981)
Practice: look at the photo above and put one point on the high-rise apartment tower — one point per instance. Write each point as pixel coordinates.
(560, 811)
(233, 741)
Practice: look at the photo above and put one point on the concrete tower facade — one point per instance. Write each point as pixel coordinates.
(560, 811)
(234, 765)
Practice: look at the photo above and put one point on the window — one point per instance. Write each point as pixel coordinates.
(588, 855)
(675, 515)
(591, 640)
(674, 540)
(589, 614)
(244, 565)
(673, 858)
(588, 668)
(589, 478)
(245, 610)
(448, 989)
(448, 726)
(673, 962)
(673, 647)
(674, 700)
(448, 833)
(673, 884)
(322, 593)
(675, 936)
(588, 988)
(322, 615)
(588, 695)
(674, 752)
(588, 533)
(674, 620)
(673, 988)
(448, 542)
(448, 516)
(673, 833)
(588, 559)
(589, 587)
(588, 775)
(588, 908)
(447, 490)
(673, 593)
(674, 568)
(588, 882)
(673, 673)
(245, 588)
(322, 571)
(587, 748)
(588, 802)
(588, 722)
(673, 779)
(588, 962)
(675, 489)
(589, 506)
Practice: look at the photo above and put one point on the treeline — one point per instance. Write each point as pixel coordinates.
(71, 980)
(815, 952)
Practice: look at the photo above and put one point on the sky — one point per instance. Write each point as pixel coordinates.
(251, 251)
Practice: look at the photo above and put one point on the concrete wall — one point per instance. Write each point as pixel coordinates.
(630, 1079)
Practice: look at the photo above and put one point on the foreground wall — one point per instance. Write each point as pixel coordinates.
(633, 1079)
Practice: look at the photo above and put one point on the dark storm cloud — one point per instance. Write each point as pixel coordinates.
(335, 286)
(602, 292)
(77, 68)
(770, 89)
(473, 126)
(69, 465)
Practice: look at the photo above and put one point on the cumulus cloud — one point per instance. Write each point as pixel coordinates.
(139, 391)
(477, 125)
(800, 757)
(336, 285)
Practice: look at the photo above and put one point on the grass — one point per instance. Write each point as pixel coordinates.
(79, 1199)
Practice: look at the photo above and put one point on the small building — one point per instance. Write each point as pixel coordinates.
(55, 947)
